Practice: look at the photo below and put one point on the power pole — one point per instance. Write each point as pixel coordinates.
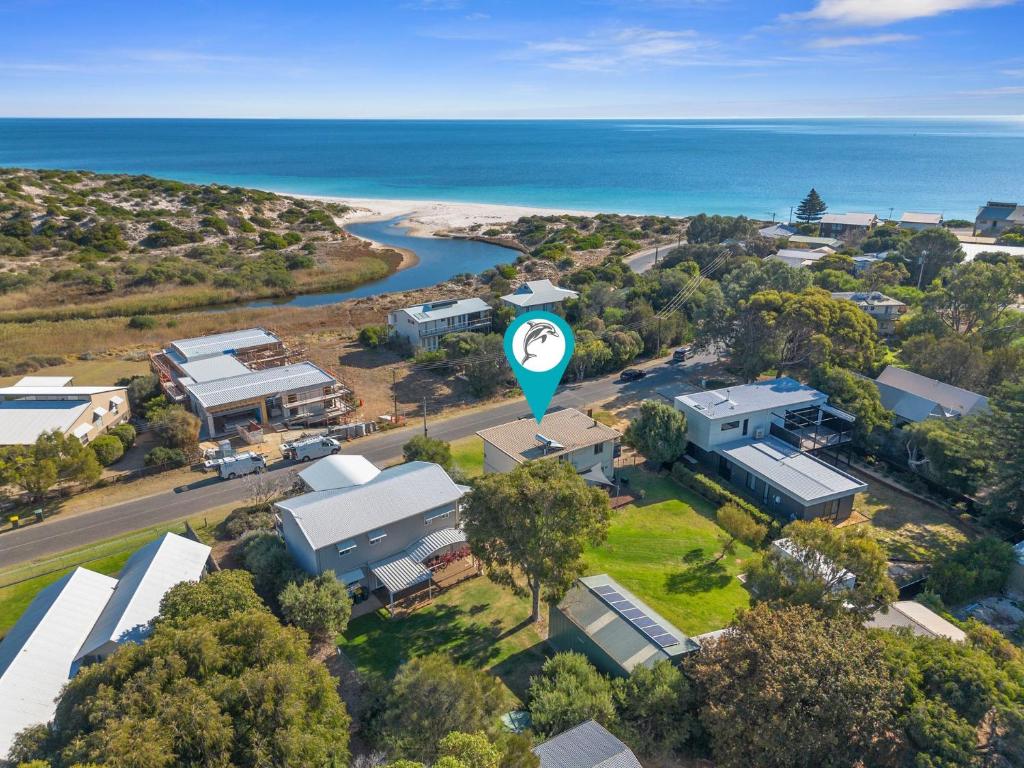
(394, 393)
(920, 274)
(424, 415)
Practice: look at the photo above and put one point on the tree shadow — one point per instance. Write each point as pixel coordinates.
(516, 671)
(701, 577)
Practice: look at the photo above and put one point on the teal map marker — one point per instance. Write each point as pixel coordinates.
(538, 346)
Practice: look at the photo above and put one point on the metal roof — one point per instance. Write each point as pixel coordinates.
(270, 381)
(536, 292)
(568, 427)
(778, 230)
(432, 542)
(850, 219)
(221, 343)
(766, 395)
(946, 399)
(795, 257)
(439, 310)
(213, 368)
(916, 217)
(43, 381)
(55, 393)
(831, 242)
(397, 493)
(792, 471)
(23, 421)
(1000, 211)
(341, 471)
(399, 572)
(918, 618)
(145, 578)
(868, 299)
(588, 745)
(37, 656)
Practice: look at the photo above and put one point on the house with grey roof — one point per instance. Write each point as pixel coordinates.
(913, 397)
(918, 619)
(839, 225)
(884, 309)
(537, 296)
(563, 435)
(380, 533)
(588, 745)
(799, 258)
(994, 218)
(762, 439)
(916, 221)
(424, 325)
(38, 404)
(612, 627)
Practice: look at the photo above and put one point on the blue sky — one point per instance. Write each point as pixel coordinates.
(511, 59)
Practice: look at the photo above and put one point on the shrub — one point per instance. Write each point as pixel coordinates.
(320, 606)
(716, 494)
(259, 517)
(508, 271)
(142, 322)
(108, 449)
(373, 336)
(125, 433)
(170, 457)
(976, 568)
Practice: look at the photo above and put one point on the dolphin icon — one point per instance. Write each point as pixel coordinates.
(537, 330)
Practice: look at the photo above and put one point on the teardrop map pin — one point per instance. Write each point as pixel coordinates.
(538, 346)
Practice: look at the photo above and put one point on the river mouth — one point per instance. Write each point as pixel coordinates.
(438, 259)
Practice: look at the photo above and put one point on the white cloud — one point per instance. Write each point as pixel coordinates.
(881, 12)
(1013, 72)
(632, 47)
(854, 41)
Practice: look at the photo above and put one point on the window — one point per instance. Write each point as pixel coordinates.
(377, 536)
(726, 426)
(599, 448)
(746, 423)
(440, 516)
(292, 397)
(345, 547)
(751, 482)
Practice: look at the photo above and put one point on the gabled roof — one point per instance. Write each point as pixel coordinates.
(868, 299)
(778, 230)
(588, 745)
(850, 219)
(533, 293)
(220, 344)
(269, 381)
(57, 393)
(916, 217)
(1001, 211)
(43, 381)
(23, 421)
(440, 310)
(38, 654)
(796, 257)
(766, 395)
(918, 618)
(327, 517)
(909, 394)
(566, 430)
(341, 471)
(145, 578)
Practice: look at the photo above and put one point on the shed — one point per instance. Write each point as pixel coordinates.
(588, 745)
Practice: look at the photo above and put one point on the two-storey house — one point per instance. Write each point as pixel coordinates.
(424, 326)
(884, 309)
(381, 533)
(760, 437)
(995, 218)
(839, 225)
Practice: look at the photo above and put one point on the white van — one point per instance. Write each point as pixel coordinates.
(242, 464)
(310, 448)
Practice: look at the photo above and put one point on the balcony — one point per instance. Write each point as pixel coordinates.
(810, 429)
(477, 324)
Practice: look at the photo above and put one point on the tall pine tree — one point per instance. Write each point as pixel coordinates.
(811, 207)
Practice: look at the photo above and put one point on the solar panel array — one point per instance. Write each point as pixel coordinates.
(628, 610)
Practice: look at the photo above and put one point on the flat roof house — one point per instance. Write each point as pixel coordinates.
(913, 397)
(565, 435)
(38, 404)
(381, 533)
(588, 745)
(537, 296)
(916, 221)
(37, 656)
(760, 437)
(995, 218)
(884, 309)
(839, 224)
(613, 628)
(424, 325)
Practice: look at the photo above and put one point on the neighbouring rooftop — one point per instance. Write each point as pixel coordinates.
(918, 618)
(23, 421)
(534, 293)
(440, 310)
(770, 394)
(559, 432)
(256, 384)
(915, 397)
(916, 217)
(868, 298)
(850, 219)
(231, 342)
(340, 471)
(588, 745)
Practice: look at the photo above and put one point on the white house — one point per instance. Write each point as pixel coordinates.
(424, 325)
(759, 437)
(537, 295)
(565, 435)
(917, 221)
(38, 404)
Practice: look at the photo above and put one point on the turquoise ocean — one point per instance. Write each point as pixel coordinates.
(755, 167)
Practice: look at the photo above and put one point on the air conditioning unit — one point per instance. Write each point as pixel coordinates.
(759, 433)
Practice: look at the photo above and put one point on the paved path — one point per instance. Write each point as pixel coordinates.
(59, 534)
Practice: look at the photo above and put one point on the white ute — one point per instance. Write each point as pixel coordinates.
(241, 464)
(310, 448)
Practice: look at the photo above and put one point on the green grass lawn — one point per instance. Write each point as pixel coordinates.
(477, 623)
(89, 372)
(664, 548)
(468, 455)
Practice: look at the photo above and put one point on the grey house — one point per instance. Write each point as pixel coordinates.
(588, 745)
(380, 534)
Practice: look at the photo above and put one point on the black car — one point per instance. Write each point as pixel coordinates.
(683, 353)
(632, 374)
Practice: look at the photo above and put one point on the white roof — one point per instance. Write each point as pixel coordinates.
(533, 293)
(270, 381)
(588, 745)
(849, 219)
(57, 393)
(795, 257)
(439, 310)
(145, 578)
(973, 249)
(767, 395)
(916, 217)
(23, 421)
(926, 396)
(213, 368)
(340, 471)
(221, 343)
(918, 618)
(38, 654)
(397, 493)
(43, 381)
(792, 471)
(778, 230)
(817, 564)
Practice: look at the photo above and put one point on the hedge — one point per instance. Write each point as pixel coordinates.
(716, 494)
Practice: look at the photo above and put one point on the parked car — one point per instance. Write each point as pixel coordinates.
(683, 353)
(242, 464)
(632, 374)
(310, 448)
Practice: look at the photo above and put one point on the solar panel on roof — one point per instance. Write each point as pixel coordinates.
(635, 616)
(605, 590)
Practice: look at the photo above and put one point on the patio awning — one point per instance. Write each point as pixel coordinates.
(81, 430)
(596, 476)
(352, 576)
(99, 412)
(399, 572)
(429, 544)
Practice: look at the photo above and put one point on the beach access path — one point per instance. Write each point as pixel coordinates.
(58, 534)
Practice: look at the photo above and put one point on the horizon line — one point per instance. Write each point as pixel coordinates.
(1019, 116)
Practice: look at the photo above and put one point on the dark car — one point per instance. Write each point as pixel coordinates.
(683, 353)
(632, 374)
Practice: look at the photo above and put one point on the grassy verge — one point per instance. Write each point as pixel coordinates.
(476, 623)
(665, 549)
(468, 455)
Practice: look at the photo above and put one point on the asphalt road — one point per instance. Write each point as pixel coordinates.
(58, 534)
(643, 260)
